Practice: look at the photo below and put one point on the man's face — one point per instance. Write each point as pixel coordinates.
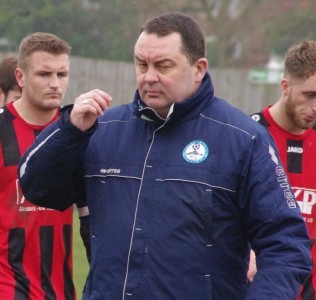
(45, 80)
(300, 105)
(164, 74)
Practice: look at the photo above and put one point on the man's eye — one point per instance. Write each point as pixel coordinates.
(165, 66)
(142, 67)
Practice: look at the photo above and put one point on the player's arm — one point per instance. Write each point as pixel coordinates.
(84, 229)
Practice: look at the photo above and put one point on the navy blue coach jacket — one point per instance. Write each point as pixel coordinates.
(175, 203)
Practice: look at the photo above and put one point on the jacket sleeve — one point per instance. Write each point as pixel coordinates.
(50, 171)
(274, 225)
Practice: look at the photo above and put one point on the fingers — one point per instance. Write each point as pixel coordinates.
(96, 101)
(87, 107)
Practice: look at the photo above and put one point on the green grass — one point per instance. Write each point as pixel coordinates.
(80, 262)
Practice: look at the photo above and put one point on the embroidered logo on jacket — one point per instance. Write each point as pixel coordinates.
(283, 180)
(273, 155)
(195, 152)
(110, 171)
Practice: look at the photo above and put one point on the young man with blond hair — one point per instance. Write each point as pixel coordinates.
(35, 242)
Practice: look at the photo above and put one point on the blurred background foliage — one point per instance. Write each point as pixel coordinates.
(239, 33)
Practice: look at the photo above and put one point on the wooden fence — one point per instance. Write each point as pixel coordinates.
(118, 79)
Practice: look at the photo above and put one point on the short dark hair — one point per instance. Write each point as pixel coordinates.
(41, 41)
(8, 81)
(300, 60)
(191, 34)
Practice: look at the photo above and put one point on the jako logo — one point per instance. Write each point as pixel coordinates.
(295, 150)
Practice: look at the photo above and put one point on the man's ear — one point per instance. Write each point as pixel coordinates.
(284, 86)
(201, 67)
(19, 75)
(2, 97)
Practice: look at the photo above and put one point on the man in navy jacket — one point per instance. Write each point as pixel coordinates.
(179, 183)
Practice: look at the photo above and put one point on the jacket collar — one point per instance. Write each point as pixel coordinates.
(188, 108)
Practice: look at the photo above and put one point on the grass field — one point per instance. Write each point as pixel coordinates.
(80, 261)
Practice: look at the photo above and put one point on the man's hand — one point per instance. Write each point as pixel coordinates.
(84, 229)
(252, 267)
(87, 107)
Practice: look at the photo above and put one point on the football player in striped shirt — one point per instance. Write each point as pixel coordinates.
(35, 242)
(291, 121)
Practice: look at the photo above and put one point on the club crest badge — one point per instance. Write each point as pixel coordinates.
(195, 152)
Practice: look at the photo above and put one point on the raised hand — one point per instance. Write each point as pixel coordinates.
(87, 107)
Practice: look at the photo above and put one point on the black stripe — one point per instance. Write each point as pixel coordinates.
(308, 292)
(294, 156)
(47, 244)
(10, 146)
(16, 244)
(69, 290)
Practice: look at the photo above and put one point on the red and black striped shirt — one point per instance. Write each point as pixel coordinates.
(35, 242)
(298, 155)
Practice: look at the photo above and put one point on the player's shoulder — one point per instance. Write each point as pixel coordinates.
(260, 118)
(5, 116)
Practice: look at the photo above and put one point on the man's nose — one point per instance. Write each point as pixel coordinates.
(54, 81)
(151, 75)
(314, 106)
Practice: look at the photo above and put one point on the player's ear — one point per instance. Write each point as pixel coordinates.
(284, 86)
(19, 75)
(2, 97)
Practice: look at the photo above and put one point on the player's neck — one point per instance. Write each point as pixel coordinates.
(32, 114)
(279, 115)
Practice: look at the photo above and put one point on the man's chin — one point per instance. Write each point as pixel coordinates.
(52, 104)
(308, 125)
